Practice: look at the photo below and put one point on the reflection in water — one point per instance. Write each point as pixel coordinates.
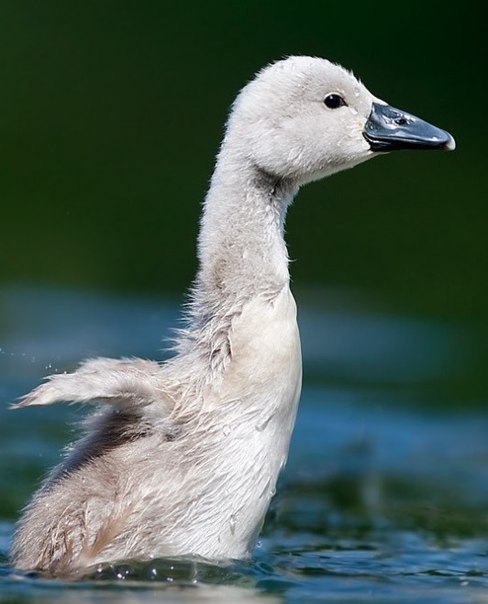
(19, 589)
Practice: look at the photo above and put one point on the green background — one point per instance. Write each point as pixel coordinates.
(111, 113)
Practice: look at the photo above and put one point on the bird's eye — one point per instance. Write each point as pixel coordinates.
(334, 101)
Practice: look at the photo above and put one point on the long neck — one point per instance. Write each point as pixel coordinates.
(242, 255)
(241, 251)
(241, 247)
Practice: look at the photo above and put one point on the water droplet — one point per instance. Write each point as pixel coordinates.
(263, 424)
(354, 111)
(266, 490)
(232, 524)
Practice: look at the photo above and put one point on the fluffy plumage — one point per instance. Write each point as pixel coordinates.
(182, 457)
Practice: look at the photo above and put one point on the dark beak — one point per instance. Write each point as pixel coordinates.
(390, 129)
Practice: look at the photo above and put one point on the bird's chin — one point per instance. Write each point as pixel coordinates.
(333, 168)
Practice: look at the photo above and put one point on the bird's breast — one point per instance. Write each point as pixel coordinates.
(266, 366)
(257, 403)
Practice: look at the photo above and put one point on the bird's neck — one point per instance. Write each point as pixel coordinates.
(243, 262)
(241, 248)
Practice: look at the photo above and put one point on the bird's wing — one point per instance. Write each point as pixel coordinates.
(130, 384)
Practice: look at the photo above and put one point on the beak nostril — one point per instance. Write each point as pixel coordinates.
(401, 121)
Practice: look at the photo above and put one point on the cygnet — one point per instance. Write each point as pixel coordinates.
(181, 458)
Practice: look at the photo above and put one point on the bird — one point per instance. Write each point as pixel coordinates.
(181, 457)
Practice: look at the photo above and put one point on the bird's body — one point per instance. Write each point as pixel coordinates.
(184, 456)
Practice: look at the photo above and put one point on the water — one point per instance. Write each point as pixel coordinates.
(384, 495)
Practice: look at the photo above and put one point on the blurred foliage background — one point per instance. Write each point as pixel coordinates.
(111, 113)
